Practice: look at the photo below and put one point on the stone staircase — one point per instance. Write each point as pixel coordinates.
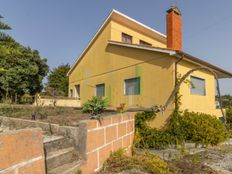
(61, 157)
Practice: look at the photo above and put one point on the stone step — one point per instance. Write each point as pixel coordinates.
(60, 157)
(69, 168)
(54, 143)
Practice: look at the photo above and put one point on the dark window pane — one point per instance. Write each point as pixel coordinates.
(197, 86)
(100, 90)
(132, 86)
(141, 42)
(126, 38)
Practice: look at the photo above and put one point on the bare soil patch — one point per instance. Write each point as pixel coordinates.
(64, 116)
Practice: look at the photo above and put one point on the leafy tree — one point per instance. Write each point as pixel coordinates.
(22, 69)
(58, 81)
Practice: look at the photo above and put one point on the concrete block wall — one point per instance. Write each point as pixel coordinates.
(109, 135)
(21, 152)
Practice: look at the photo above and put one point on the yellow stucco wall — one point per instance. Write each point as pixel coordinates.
(117, 29)
(198, 103)
(111, 65)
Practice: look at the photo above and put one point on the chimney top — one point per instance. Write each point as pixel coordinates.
(175, 9)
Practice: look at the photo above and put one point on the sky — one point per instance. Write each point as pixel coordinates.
(61, 29)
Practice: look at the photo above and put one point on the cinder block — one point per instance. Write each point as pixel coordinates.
(95, 139)
(111, 133)
(104, 153)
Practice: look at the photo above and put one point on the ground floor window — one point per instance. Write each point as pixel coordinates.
(197, 86)
(77, 91)
(100, 90)
(132, 86)
(71, 93)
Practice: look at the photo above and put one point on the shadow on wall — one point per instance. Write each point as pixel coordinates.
(157, 59)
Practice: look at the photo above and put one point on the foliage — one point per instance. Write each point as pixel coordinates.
(199, 128)
(58, 81)
(26, 99)
(95, 106)
(183, 126)
(143, 161)
(147, 137)
(229, 115)
(22, 69)
(6, 109)
(226, 100)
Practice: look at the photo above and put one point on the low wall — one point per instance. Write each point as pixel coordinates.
(69, 102)
(93, 140)
(21, 152)
(113, 133)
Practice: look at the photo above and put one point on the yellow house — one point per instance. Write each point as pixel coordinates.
(129, 62)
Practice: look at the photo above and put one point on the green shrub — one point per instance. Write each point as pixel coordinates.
(229, 115)
(183, 126)
(143, 161)
(199, 128)
(95, 106)
(147, 137)
(26, 99)
(6, 109)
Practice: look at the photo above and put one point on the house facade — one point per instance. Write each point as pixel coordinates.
(129, 62)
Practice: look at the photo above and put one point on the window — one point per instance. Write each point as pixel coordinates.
(71, 93)
(197, 86)
(77, 91)
(132, 86)
(141, 42)
(100, 90)
(126, 38)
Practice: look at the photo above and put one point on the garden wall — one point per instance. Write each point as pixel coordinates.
(111, 134)
(93, 140)
(62, 102)
(21, 152)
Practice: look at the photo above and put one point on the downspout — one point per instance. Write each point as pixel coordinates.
(176, 76)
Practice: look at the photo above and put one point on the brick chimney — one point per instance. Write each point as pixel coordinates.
(174, 28)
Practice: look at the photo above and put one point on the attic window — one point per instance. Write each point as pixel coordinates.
(141, 42)
(126, 38)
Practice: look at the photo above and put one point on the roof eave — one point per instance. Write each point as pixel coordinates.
(187, 57)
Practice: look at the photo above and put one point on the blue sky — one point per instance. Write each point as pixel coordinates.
(61, 29)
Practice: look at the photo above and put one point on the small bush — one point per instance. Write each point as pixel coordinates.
(6, 109)
(26, 99)
(183, 126)
(147, 137)
(95, 106)
(199, 128)
(229, 115)
(143, 161)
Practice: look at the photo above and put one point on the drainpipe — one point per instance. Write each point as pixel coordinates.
(176, 74)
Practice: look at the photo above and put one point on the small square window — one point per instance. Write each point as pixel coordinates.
(141, 42)
(197, 86)
(132, 86)
(100, 90)
(126, 38)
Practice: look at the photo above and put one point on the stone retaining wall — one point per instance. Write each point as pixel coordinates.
(21, 152)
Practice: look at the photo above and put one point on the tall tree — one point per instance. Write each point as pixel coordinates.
(22, 69)
(58, 81)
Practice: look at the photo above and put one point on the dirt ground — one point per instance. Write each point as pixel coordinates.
(211, 160)
(65, 116)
